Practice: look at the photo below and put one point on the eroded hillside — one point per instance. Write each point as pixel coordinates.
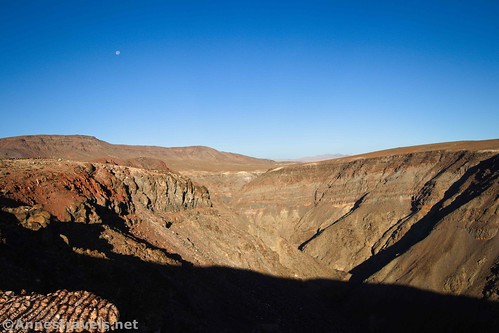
(90, 149)
(330, 246)
(119, 231)
(426, 219)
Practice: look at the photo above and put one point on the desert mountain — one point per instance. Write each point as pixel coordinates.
(87, 148)
(373, 242)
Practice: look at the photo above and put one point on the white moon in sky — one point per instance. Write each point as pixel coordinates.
(118, 52)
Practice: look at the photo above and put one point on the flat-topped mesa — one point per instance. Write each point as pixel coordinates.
(91, 149)
(80, 192)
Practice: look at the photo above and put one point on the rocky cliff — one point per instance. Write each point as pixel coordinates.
(426, 219)
(341, 245)
(116, 231)
(76, 191)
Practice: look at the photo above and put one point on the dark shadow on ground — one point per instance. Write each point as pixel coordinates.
(218, 299)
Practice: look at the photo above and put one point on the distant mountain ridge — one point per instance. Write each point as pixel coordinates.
(89, 148)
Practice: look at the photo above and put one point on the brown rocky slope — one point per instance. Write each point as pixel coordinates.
(131, 234)
(426, 218)
(270, 251)
(91, 149)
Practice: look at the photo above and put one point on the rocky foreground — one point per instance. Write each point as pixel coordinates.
(400, 240)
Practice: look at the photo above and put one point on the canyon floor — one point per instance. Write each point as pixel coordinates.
(196, 240)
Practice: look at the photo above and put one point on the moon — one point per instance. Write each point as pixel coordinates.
(118, 52)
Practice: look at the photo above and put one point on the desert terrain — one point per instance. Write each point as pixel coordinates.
(191, 239)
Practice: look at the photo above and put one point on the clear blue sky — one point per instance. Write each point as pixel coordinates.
(278, 79)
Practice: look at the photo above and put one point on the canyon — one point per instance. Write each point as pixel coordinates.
(193, 239)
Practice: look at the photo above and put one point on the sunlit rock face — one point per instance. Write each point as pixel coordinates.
(430, 217)
(343, 245)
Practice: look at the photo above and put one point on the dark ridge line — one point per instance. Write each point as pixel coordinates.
(356, 205)
(482, 176)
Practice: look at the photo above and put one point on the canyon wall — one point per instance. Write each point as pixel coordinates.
(429, 217)
(359, 243)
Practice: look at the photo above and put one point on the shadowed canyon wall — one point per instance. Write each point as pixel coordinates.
(388, 241)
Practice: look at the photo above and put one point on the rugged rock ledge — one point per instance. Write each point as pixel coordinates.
(61, 311)
(76, 191)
